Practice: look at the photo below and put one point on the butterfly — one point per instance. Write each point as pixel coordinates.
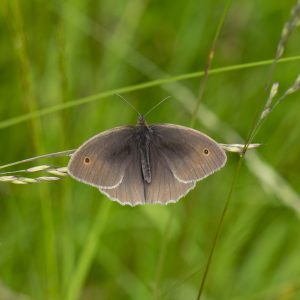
(142, 164)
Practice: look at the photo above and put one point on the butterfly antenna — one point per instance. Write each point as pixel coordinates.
(129, 104)
(155, 106)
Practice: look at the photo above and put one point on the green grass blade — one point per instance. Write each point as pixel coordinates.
(45, 111)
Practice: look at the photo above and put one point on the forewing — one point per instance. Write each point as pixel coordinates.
(164, 187)
(101, 160)
(190, 154)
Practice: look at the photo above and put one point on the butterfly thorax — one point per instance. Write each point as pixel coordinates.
(143, 137)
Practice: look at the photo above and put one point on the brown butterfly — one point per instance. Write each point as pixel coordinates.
(141, 164)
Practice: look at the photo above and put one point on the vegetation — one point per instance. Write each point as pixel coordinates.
(62, 63)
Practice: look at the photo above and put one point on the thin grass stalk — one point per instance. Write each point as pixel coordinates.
(50, 155)
(219, 228)
(211, 55)
(287, 30)
(81, 101)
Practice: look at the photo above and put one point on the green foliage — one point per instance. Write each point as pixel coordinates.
(61, 63)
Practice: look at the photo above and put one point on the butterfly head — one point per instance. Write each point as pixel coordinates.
(141, 121)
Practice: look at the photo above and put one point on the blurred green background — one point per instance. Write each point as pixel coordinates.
(65, 240)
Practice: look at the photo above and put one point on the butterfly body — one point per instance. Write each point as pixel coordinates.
(143, 139)
(141, 164)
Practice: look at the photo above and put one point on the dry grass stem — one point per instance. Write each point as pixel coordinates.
(270, 105)
(238, 148)
(60, 171)
(288, 28)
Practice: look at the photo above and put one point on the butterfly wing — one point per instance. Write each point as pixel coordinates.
(101, 161)
(190, 154)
